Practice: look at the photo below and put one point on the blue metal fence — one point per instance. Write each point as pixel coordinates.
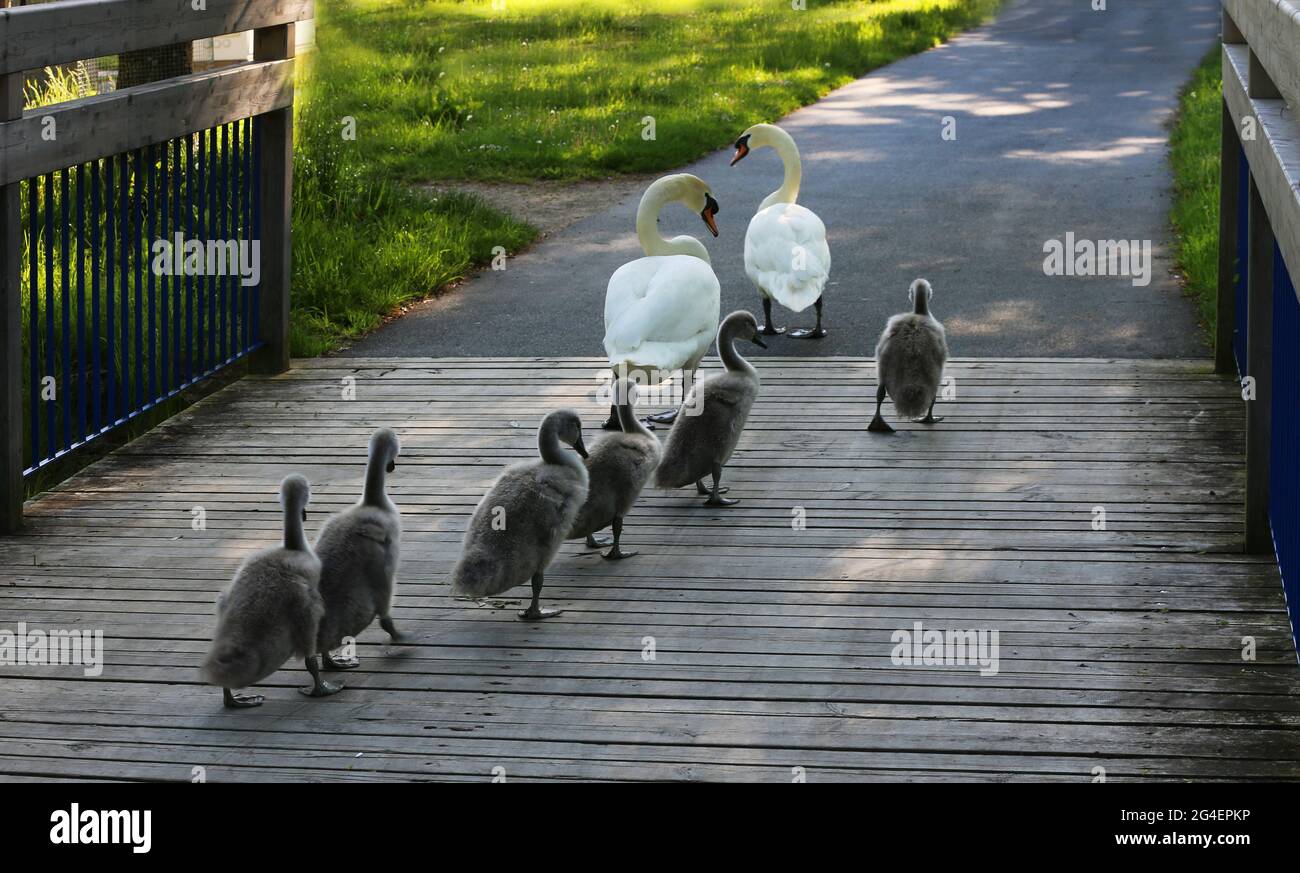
(1284, 441)
(111, 329)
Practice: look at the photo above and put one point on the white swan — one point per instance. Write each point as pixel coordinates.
(661, 311)
(786, 254)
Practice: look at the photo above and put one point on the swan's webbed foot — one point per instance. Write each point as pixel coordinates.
(660, 418)
(535, 612)
(804, 333)
(330, 662)
(878, 425)
(318, 687)
(930, 419)
(594, 542)
(616, 553)
(231, 700)
(767, 328)
(715, 497)
(703, 490)
(817, 332)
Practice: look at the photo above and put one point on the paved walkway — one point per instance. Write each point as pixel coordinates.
(1061, 120)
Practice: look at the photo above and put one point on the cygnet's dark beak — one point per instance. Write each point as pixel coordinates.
(392, 465)
(580, 448)
(304, 514)
(758, 341)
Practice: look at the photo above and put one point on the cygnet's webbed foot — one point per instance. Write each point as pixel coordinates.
(536, 613)
(805, 333)
(718, 500)
(878, 425)
(660, 418)
(339, 662)
(703, 490)
(617, 554)
(240, 701)
(595, 542)
(318, 687)
(930, 418)
(394, 636)
(769, 330)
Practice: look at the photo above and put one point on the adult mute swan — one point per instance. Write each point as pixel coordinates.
(786, 254)
(661, 311)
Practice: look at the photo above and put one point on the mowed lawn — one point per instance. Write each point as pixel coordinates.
(547, 89)
(407, 91)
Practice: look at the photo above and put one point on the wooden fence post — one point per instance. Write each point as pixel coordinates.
(1225, 323)
(11, 320)
(1259, 367)
(276, 155)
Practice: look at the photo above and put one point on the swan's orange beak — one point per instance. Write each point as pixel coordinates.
(742, 149)
(710, 209)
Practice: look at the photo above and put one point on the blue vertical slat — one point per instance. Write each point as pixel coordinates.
(96, 359)
(164, 217)
(137, 308)
(257, 224)
(191, 329)
(51, 406)
(211, 229)
(111, 293)
(83, 370)
(124, 286)
(151, 302)
(65, 308)
(228, 316)
(34, 317)
(1284, 439)
(246, 190)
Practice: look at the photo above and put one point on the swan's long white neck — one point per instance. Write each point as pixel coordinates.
(780, 141)
(660, 193)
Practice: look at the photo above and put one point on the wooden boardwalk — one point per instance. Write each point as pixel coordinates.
(1119, 648)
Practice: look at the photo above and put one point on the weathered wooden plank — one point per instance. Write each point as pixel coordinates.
(1118, 646)
(119, 121)
(58, 33)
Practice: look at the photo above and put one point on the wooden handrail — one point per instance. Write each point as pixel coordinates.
(58, 33)
(119, 121)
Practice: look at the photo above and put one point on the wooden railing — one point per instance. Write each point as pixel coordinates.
(1258, 335)
(87, 188)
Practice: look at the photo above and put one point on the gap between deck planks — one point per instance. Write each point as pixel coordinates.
(1120, 648)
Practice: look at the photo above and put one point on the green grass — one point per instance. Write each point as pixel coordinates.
(557, 89)
(1194, 153)
(363, 245)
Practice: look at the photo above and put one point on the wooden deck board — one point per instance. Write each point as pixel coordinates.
(1119, 648)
